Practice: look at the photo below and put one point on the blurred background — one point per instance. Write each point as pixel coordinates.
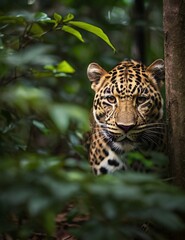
(45, 100)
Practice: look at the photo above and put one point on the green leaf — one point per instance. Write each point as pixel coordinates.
(40, 126)
(12, 19)
(65, 67)
(26, 97)
(49, 222)
(68, 18)
(40, 17)
(36, 30)
(61, 114)
(49, 67)
(93, 29)
(43, 74)
(57, 17)
(73, 32)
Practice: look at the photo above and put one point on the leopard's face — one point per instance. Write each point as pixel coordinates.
(128, 105)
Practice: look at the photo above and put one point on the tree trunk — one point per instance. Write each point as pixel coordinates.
(174, 34)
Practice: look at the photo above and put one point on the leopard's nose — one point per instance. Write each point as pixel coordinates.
(125, 128)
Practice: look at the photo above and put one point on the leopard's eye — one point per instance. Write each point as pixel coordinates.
(141, 100)
(111, 99)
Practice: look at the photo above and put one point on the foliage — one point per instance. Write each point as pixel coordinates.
(116, 206)
(44, 107)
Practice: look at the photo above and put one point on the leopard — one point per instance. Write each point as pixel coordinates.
(127, 113)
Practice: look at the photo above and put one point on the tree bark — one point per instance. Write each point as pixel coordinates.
(174, 35)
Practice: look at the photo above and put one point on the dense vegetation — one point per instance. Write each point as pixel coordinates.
(46, 187)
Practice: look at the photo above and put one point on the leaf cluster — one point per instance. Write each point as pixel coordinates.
(115, 206)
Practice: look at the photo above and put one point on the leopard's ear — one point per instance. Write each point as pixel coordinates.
(94, 73)
(158, 72)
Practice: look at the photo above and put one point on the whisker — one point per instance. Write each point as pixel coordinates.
(152, 138)
(144, 127)
(154, 132)
(149, 140)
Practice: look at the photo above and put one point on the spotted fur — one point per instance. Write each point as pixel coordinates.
(127, 112)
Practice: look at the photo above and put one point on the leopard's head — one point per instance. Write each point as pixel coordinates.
(128, 106)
